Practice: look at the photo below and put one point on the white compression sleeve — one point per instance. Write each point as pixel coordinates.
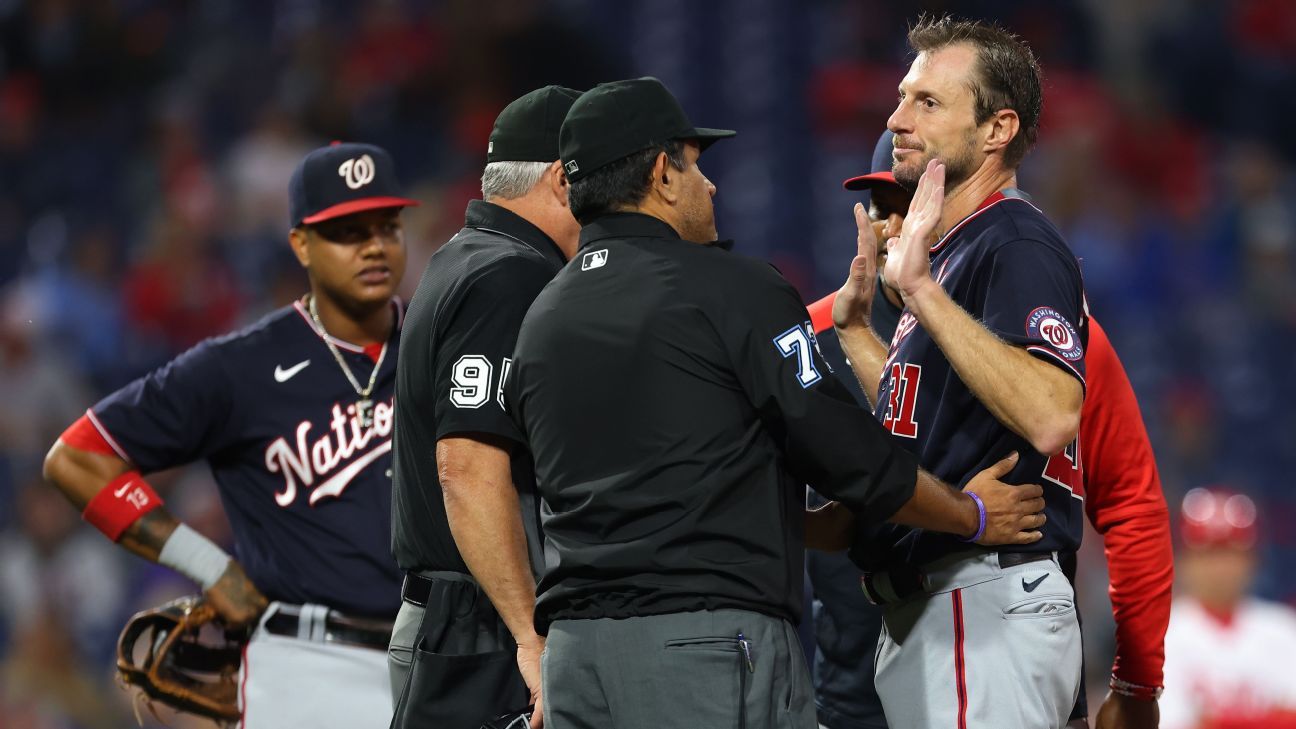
(194, 556)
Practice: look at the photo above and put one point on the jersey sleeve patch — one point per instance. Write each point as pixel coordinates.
(1047, 324)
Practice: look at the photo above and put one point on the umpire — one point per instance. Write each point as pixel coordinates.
(675, 404)
(464, 511)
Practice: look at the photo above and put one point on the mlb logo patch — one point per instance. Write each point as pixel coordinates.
(594, 259)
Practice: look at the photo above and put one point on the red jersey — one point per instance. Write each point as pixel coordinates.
(1124, 503)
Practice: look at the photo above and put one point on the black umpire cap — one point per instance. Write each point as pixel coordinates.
(617, 119)
(527, 129)
(341, 179)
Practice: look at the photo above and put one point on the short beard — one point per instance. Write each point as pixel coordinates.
(958, 168)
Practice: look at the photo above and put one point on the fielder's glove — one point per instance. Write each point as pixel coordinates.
(181, 655)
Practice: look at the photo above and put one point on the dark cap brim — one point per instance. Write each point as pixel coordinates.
(706, 137)
(870, 181)
(358, 206)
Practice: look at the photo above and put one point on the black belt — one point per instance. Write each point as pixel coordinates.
(337, 628)
(418, 585)
(906, 580)
(1013, 559)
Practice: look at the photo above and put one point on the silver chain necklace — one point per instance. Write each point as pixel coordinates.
(363, 406)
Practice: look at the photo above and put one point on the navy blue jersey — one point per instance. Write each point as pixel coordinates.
(306, 488)
(1008, 267)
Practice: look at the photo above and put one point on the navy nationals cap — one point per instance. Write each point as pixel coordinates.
(617, 119)
(341, 179)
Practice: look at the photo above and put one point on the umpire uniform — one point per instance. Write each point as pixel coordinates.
(676, 404)
(452, 657)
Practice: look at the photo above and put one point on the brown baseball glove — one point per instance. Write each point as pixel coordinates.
(181, 655)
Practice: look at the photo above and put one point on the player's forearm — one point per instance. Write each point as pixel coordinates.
(1140, 559)
(867, 355)
(937, 507)
(80, 475)
(487, 528)
(1037, 401)
(485, 520)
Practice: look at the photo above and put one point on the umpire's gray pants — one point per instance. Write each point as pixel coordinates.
(400, 652)
(686, 670)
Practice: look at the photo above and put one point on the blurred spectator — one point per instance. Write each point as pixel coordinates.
(180, 292)
(255, 167)
(53, 561)
(1228, 656)
(44, 684)
(38, 389)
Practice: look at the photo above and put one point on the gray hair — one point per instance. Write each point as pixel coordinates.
(510, 180)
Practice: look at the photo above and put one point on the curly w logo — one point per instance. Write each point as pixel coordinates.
(357, 172)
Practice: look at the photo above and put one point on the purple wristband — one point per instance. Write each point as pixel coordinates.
(981, 514)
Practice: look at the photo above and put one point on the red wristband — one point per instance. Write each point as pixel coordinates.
(121, 503)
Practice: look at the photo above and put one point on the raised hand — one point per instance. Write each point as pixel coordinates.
(235, 598)
(854, 300)
(1013, 512)
(908, 264)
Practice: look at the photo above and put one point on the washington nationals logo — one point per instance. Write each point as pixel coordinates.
(335, 458)
(1047, 324)
(357, 172)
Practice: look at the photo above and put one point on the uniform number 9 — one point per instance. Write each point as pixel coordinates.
(472, 380)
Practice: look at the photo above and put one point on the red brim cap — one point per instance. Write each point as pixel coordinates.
(359, 206)
(869, 181)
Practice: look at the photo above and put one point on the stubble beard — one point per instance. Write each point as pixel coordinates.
(700, 224)
(958, 168)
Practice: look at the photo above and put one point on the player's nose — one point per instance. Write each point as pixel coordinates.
(373, 247)
(901, 120)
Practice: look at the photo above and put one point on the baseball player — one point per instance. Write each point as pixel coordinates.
(675, 405)
(988, 358)
(294, 416)
(465, 514)
(1123, 501)
(1228, 655)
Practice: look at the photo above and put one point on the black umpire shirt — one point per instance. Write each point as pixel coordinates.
(676, 406)
(458, 336)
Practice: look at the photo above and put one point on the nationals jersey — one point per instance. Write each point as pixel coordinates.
(306, 488)
(1236, 668)
(1008, 267)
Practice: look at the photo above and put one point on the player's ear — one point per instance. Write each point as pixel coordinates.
(297, 239)
(665, 178)
(1001, 128)
(557, 179)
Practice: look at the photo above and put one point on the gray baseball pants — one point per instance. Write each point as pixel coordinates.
(982, 647)
(688, 670)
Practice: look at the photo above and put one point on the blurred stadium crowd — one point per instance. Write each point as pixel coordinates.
(145, 148)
